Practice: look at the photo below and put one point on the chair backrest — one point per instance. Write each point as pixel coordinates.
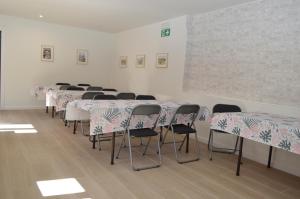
(75, 88)
(223, 108)
(83, 85)
(94, 88)
(105, 97)
(60, 84)
(148, 113)
(126, 96)
(109, 89)
(90, 95)
(64, 87)
(189, 111)
(145, 97)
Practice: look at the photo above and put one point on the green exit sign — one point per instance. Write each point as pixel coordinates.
(165, 32)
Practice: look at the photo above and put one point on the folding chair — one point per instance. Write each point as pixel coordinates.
(150, 112)
(191, 112)
(222, 108)
(145, 97)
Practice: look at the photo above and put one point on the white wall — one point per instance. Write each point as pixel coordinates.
(22, 67)
(147, 40)
(161, 82)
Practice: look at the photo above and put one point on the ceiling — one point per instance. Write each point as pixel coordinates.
(109, 15)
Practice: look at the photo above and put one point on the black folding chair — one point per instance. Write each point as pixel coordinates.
(83, 85)
(222, 108)
(60, 84)
(110, 89)
(90, 95)
(94, 88)
(191, 111)
(75, 88)
(105, 97)
(145, 97)
(64, 87)
(126, 96)
(150, 112)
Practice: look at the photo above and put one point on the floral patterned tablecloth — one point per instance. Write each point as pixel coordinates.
(60, 98)
(108, 116)
(39, 92)
(274, 130)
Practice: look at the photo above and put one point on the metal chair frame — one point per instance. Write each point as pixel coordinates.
(211, 148)
(138, 110)
(186, 137)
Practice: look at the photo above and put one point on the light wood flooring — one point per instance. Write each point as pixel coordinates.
(55, 153)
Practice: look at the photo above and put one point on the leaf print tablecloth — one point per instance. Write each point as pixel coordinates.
(274, 130)
(40, 91)
(60, 98)
(108, 116)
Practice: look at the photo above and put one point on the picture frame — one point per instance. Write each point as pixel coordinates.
(82, 56)
(162, 60)
(47, 53)
(123, 62)
(140, 61)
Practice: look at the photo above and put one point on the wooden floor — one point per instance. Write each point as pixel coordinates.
(55, 153)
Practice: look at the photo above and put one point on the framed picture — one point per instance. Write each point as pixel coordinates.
(162, 60)
(82, 56)
(140, 61)
(47, 53)
(123, 61)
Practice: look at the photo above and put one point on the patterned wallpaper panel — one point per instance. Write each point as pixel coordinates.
(250, 51)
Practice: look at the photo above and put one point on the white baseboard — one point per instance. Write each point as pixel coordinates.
(14, 108)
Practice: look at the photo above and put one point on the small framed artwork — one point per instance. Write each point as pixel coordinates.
(82, 56)
(162, 60)
(123, 61)
(47, 53)
(140, 61)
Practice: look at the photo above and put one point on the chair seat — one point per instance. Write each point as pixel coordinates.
(146, 132)
(183, 129)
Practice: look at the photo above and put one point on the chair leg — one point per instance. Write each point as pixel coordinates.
(146, 147)
(208, 144)
(236, 144)
(198, 144)
(181, 145)
(122, 144)
(175, 147)
(130, 152)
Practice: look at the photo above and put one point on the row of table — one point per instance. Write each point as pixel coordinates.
(109, 116)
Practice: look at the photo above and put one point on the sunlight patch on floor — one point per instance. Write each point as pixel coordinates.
(60, 187)
(18, 128)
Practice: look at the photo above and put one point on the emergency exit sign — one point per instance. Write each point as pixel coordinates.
(165, 32)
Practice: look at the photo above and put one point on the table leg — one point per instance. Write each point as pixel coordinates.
(53, 110)
(240, 157)
(113, 148)
(270, 157)
(75, 127)
(47, 109)
(94, 141)
(187, 142)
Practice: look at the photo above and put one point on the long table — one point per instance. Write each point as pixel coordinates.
(111, 116)
(273, 130)
(60, 98)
